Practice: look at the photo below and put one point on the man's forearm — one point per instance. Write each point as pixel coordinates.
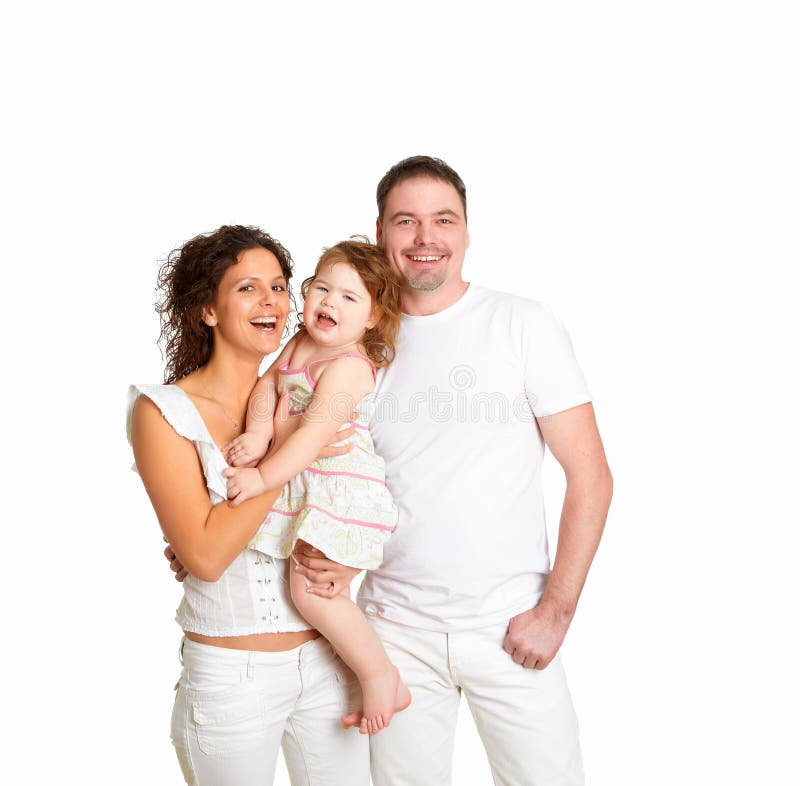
(583, 518)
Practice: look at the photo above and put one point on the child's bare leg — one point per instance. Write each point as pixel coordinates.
(340, 621)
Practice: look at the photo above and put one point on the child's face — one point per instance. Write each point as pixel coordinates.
(338, 308)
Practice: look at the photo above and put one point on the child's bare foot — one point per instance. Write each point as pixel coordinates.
(351, 719)
(383, 697)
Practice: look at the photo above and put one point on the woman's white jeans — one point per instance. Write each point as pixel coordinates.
(524, 716)
(234, 708)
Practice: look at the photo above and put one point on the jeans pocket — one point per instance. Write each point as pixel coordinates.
(229, 721)
(348, 686)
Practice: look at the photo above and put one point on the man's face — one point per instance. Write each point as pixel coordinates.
(424, 234)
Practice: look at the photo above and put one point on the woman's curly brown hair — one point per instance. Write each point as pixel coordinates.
(188, 281)
(372, 266)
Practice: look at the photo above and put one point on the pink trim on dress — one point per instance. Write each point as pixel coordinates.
(338, 518)
(345, 474)
(282, 369)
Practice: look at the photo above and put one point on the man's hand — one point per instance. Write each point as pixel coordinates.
(328, 578)
(534, 637)
(176, 566)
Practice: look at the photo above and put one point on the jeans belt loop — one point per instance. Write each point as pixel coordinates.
(251, 656)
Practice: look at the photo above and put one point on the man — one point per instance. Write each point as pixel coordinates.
(465, 599)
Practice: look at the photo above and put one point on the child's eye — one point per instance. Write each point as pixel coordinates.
(246, 288)
(321, 288)
(350, 297)
(278, 288)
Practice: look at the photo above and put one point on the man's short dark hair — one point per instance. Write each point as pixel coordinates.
(419, 166)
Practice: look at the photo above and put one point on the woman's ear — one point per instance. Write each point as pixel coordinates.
(208, 316)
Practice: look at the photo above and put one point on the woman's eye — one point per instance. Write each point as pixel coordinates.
(246, 288)
(278, 288)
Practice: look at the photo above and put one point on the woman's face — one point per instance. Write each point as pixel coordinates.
(251, 305)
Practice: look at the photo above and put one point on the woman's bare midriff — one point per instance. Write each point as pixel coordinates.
(257, 642)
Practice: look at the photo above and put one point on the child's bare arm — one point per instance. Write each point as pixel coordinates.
(251, 446)
(339, 389)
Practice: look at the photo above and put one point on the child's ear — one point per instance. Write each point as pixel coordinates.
(374, 316)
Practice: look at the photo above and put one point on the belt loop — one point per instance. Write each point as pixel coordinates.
(251, 656)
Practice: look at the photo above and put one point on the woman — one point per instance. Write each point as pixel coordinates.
(254, 673)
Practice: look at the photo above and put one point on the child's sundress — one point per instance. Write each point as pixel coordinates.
(338, 504)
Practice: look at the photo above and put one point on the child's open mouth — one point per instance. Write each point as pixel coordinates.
(324, 320)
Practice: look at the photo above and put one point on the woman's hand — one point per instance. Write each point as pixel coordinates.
(330, 577)
(175, 565)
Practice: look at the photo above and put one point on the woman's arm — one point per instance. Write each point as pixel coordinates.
(284, 427)
(206, 538)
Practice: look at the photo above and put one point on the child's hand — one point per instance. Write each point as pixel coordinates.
(243, 483)
(247, 449)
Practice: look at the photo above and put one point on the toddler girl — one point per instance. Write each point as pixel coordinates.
(339, 505)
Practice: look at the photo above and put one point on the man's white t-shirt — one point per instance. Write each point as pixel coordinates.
(454, 418)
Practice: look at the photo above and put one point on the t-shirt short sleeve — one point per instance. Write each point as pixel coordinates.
(553, 379)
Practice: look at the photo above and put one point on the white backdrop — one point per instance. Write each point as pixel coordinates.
(633, 164)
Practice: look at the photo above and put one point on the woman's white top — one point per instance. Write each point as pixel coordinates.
(252, 596)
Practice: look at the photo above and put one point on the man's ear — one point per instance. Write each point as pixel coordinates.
(378, 232)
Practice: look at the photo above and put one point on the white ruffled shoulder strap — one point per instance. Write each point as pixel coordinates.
(180, 412)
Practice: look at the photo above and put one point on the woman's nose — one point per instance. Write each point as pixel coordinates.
(268, 296)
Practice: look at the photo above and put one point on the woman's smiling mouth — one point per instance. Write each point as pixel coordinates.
(264, 324)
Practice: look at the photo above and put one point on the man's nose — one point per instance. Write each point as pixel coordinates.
(424, 234)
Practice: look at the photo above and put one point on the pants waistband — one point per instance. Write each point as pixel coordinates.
(305, 653)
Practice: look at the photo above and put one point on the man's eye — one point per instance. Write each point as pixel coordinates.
(405, 221)
(444, 221)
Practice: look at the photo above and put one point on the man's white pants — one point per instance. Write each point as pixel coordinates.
(524, 716)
